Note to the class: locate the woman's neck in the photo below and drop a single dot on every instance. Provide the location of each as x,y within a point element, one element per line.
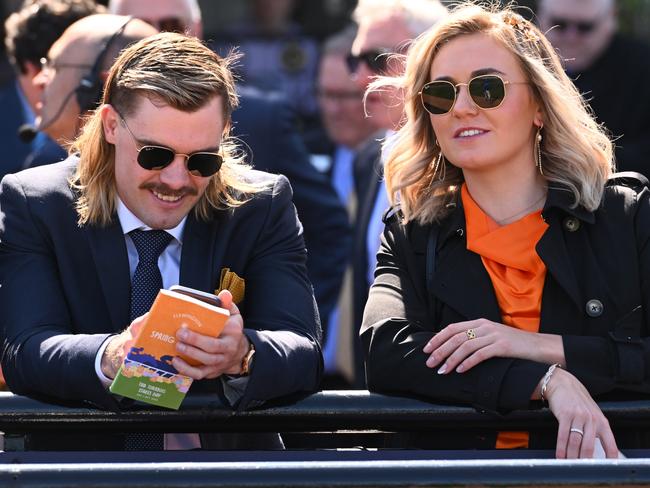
<point>507,198</point>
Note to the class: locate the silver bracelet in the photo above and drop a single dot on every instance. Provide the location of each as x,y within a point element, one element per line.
<point>546,379</point>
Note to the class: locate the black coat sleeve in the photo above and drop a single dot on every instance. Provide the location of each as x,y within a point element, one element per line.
<point>620,359</point>
<point>396,326</point>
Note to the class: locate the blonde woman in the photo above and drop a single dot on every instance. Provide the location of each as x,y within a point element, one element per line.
<point>513,267</point>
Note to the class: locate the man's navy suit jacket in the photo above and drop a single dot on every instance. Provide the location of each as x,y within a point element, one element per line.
<point>65,288</point>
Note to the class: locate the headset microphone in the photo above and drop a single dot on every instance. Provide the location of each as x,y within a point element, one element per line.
<point>28,132</point>
<point>89,90</point>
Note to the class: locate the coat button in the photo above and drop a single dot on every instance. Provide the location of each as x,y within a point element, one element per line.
<point>594,308</point>
<point>571,224</point>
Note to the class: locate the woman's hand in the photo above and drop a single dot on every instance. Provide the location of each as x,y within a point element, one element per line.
<point>581,420</point>
<point>463,345</point>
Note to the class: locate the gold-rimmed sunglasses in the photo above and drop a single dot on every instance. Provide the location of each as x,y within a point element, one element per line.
<point>486,91</point>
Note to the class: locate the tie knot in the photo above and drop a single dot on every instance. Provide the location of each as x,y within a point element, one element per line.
<point>150,243</point>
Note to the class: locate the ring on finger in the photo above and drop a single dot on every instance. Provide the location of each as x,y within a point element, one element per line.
<point>577,431</point>
<point>471,334</point>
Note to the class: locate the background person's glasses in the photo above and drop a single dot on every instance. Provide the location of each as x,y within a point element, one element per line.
<point>377,61</point>
<point>158,157</point>
<point>486,91</point>
<point>49,65</point>
<point>169,24</point>
<point>582,26</point>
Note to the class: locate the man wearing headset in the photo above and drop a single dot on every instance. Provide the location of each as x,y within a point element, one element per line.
<point>72,76</point>
<point>154,195</point>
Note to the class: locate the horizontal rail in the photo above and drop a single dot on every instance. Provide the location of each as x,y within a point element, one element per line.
<point>326,411</point>
<point>312,474</point>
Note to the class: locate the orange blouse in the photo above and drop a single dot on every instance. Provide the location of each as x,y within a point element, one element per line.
<point>516,271</point>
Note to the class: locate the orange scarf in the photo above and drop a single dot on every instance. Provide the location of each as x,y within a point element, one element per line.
<point>516,271</point>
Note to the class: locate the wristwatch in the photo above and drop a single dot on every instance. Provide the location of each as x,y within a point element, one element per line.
<point>247,362</point>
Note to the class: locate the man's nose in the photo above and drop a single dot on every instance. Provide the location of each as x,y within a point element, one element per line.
<point>176,175</point>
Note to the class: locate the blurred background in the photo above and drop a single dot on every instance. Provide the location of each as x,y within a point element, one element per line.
<point>322,17</point>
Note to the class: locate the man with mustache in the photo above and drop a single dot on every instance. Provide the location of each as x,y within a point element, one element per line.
<point>154,195</point>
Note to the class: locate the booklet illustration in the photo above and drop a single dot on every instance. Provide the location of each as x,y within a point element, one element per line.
<point>147,373</point>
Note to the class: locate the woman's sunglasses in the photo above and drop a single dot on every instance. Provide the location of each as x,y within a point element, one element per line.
<point>158,157</point>
<point>486,91</point>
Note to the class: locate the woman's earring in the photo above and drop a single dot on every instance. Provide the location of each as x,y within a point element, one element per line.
<point>440,164</point>
<point>538,150</point>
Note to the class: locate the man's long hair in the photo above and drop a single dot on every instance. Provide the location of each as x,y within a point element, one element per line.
<point>173,70</point>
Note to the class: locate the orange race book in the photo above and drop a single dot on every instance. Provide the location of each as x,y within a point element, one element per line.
<point>147,373</point>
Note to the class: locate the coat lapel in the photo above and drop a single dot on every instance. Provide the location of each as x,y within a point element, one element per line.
<point>112,264</point>
<point>552,249</point>
<point>461,280</point>
<point>198,266</point>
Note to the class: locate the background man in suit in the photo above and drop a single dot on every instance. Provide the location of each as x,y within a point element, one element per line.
<point>385,26</point>
<point>72,79</point>
<point>155,194</point>
<point>611,70</point>
<point>349,131</point>
<point>30,32</point>
<point>266,125</point>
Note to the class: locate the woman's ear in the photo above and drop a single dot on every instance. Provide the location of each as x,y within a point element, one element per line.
<point>538,120</point>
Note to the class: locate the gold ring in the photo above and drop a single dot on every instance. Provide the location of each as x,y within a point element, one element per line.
<point>471,334</point>
<point>577,431</point>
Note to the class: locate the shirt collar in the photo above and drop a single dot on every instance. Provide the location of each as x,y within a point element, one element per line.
<point>558,196</point>
<point>130,222</point>
<point>563,198</point>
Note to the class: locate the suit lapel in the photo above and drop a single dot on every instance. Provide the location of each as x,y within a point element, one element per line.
<point>112,264</point>
<point>198,267</point>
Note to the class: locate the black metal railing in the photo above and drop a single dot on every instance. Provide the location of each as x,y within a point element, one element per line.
<point>321,414</point>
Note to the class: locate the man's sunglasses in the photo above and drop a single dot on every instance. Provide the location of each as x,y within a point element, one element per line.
<point>486,91</point>
<point>377,61</point>
<point>158,157</point>
<point>583,27</point>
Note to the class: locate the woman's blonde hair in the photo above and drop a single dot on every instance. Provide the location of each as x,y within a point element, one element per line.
<point>169,69</point>
<point>576,152</point>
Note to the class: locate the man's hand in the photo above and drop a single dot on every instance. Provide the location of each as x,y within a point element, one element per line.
<point>217,355</point>
<point>119,346</point>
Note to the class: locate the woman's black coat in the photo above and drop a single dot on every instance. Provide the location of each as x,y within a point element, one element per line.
<point>596,296</point>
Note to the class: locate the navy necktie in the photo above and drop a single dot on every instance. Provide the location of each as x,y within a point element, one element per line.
<point>145,285</point>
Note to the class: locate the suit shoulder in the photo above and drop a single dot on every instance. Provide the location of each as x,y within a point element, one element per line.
<point>272,184</point>
<point>43,181</point>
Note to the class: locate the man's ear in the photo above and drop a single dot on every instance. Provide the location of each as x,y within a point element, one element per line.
<point>110,120</point>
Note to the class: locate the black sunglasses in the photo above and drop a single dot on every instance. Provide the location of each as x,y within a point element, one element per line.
<point>377,61</point>
<point>158,157</point>
<point>583,27</point>
<point>486,91</point>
